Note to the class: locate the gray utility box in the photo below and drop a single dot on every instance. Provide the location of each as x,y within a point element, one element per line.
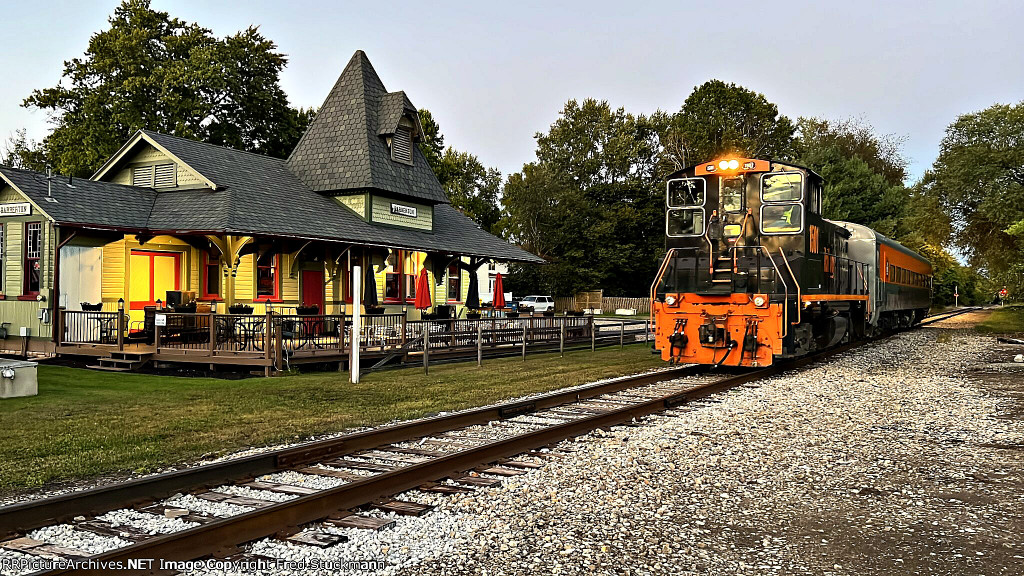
<point>18,378</point>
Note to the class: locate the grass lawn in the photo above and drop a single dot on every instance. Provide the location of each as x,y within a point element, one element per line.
<point>1005,320</point>
<point>86,423</point>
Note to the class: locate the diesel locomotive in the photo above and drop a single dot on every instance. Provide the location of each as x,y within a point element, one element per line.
<point>753,272</point>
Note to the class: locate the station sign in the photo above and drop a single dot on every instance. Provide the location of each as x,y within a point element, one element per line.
<point>403,210</point>
<point>17,209</point>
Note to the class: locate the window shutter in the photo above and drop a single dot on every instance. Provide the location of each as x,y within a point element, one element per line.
<point>166,175</point>
<point>401,145</point>
<point>142,176</point>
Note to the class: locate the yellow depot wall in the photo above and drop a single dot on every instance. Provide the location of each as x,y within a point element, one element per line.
<point>354,202</point>
<point>245,279</point>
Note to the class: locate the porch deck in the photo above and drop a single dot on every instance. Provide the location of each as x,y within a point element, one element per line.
<point>275,341</point>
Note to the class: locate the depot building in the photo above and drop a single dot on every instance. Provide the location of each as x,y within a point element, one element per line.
<point>168,217</point>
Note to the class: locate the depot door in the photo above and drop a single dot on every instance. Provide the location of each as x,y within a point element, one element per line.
<point>313,288</point>
<point>151,275</point>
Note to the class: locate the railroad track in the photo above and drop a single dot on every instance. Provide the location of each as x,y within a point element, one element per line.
<point>448,454</point>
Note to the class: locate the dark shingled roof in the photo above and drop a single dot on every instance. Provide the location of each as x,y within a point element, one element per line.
<point>256,195</point>
<point>393,106</point>
<point>343,150</point>
<point>99,204</point>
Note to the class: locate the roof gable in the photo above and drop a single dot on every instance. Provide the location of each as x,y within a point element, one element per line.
<point>141,145</point>
<point>344,148</point>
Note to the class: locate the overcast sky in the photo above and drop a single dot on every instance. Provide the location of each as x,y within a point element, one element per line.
<point>493,75</point>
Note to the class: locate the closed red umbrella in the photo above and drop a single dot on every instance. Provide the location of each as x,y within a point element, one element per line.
<point>498,298</point>
<point>422,291</point>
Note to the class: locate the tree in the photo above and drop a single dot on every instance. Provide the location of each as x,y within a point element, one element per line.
<point>719,119</point>
<point>471,187</point>
<point>149,70</point>
<point>979,180</point>
<point>592,204</point>
<point>20,152</point>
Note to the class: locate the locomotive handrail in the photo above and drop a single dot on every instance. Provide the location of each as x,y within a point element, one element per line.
<point>742,236</point>
<point>799,304</point>
<point>711,247</point>
<point>785,287</point>
<point>657,280</point>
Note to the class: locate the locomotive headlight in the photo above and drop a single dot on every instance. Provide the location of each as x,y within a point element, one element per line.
<point>760,301</point>
<point>734,164</point>
<point>724,165</point>
<point>670,300</point>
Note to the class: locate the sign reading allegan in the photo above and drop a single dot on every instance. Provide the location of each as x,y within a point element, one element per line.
<point>19,209</point>
<point>403,210</point>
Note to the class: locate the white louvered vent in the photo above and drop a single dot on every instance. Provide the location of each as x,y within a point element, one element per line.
<point>166,176</point>
<point>401,145</point>
<point>142,176</point>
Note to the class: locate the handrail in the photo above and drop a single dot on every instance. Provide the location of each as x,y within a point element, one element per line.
<point>795,283</point>
<point>711,247</point>
<point>742,236</point>
<point>657,280</point>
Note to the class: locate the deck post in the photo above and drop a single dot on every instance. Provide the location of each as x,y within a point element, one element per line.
<point>59,327</point>
<point>524,341</point>
<point>647,331</point>
<point>494,334</point>
<point>267,342</point>
<point>357,302</point>
<point>622,333</point>
<point>479,344</point>
<point>593,333</point>
<point>426,348</point>
<point>279,345</point>
<point>213,334</point>
<point>561,338</point>
<point>156,335</point>
<point>120,331</point>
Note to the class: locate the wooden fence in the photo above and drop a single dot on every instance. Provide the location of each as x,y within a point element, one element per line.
<point>608,304</point>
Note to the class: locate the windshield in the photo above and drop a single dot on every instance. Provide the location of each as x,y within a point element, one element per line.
<point>732,194</point>
<point>686,192</point>
<point>685,222</point>
<point>781,218</point>
<point>782,187</point>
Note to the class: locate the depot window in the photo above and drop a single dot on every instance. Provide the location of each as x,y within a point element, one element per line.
<point>782,218</point>
<point>686,192</point>
<point>33,249</point>
<point>454,283</point>
<point>782,187</point>
<point>684,222</point>
<point>268,268</point>
<point>211,276</point>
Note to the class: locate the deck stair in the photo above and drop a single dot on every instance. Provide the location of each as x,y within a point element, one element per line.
<point>122,362</point>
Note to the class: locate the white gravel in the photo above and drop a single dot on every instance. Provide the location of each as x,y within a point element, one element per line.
<point>200,506</point>
<point>144,522</point>
<point>253,493</point>
<point>66,536</point>
<point>306,480</point>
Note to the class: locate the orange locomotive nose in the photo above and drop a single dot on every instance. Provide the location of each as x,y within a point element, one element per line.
<point>728,330</point>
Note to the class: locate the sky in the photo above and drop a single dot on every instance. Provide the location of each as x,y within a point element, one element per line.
<point>495,73</point>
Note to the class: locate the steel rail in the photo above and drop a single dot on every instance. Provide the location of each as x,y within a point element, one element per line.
<point>22,517</point>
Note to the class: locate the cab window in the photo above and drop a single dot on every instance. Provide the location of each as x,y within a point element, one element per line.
<point>732,194</point>
<point>782,187</point>
<point>781,218</point>
<point>684,222</point>
<point>686,192</point>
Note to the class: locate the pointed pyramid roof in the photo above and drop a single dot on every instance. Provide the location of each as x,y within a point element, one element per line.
<point>345,148</point>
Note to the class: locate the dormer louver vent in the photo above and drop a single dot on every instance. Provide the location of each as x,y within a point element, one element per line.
<point>166,176</point>
<point>401,145</point>
<point>142,176</point>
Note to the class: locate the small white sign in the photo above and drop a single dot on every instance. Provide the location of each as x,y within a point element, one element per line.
<point>18,209</point>
<point>403,210</point>
<point>160,320</point>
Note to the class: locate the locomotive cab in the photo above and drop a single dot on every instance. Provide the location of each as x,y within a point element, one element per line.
<point>752,270</point>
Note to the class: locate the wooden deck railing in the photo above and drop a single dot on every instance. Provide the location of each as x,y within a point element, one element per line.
<point>268,338</point>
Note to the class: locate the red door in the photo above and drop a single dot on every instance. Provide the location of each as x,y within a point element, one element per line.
<point>313,289</point>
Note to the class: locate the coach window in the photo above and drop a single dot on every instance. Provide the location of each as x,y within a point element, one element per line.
<point>684,222</point>
<point>781,218</point>
<point>732,194</point>
<point>782,187</point>
<point>686,192</point>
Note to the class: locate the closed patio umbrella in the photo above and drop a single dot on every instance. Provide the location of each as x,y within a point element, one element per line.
<point>370,288</point>
<point>473,297</point>
<point>498,300</point>
<point>422,291</point>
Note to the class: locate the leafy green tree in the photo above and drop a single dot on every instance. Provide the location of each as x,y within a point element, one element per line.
<point>863,172</point>
<point>149,70</point>
<point>471,187</point>
<point>20,152</point>
<point>979,180</point>
<point>592,204</point>
<point>719,119</point>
